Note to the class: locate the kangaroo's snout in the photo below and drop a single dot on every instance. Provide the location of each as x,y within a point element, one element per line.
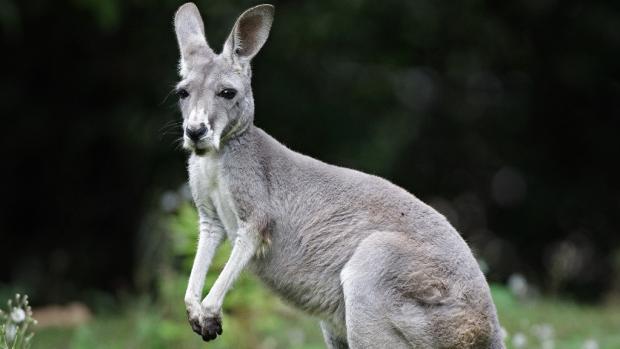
<point>196,132</point>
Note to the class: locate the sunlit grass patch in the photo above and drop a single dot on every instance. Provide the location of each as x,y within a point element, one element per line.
<point>558,323</point>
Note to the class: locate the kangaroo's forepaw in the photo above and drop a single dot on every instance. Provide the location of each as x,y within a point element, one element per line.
<point>208,326</point>
<point>195,323</point>
<point>211,328</point>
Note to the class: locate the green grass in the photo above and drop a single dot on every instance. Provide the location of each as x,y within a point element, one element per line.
<point>572,323</point>
<point>256,319</point>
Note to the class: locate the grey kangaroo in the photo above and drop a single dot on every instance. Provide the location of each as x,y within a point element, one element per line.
<point>377,266</point>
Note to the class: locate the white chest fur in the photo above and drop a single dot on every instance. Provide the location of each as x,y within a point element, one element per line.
<point>210,189</point>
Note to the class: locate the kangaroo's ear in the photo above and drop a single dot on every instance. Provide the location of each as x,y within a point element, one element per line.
<point>190,32</point>
<point>249,33</point>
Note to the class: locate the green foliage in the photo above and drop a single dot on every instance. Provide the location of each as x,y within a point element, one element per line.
<point>106,13</point>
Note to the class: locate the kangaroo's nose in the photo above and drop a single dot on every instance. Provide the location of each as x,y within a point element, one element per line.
<point>195,133</point>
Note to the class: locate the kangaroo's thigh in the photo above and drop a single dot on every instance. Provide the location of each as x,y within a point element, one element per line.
<point>371,303</point>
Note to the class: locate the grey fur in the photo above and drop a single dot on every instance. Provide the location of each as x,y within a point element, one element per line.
<point>377,266</point>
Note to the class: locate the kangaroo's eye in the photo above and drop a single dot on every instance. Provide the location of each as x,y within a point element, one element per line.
<point>182,93</point>
<point>227,93</point>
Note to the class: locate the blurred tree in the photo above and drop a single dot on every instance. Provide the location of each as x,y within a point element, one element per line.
<point>501,114</point>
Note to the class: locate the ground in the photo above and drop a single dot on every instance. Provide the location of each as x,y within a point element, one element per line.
<point>255,319</point>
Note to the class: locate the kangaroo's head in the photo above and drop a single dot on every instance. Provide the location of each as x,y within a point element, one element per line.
<point>215,93</point>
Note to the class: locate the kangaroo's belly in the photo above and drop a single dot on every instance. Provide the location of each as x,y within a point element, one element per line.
<point>305,271</point>
<point>318,297</point>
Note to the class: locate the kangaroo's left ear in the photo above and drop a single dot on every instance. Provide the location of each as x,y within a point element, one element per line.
<point>249,33</point>
<point>190,32</point>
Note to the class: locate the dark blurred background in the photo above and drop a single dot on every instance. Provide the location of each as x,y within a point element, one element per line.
<point>502,115</point>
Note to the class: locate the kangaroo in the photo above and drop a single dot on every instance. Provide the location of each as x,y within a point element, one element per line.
<point>378,267</point>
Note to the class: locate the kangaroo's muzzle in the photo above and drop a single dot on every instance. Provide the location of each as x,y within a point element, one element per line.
<point>196,133</point>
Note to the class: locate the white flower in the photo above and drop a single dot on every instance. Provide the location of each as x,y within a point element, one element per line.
<point>518,285</point>
<point>590,344</point>
<point>519,340</point>
<point>543,331</point>
<point>18,315</point>
<point>11,331</point>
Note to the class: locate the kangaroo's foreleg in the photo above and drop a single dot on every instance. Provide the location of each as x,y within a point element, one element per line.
<point>210,237</point>
<point>244,247</point>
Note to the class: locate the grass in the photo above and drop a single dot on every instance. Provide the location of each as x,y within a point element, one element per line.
<point>571,324</point>
<point>261,321</point>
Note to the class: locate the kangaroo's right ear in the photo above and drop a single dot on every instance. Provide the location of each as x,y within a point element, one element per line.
<point>249,33</point>
<point>190,32</point>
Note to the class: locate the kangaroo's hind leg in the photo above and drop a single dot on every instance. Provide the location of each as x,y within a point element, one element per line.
<point>333,340</point>
<point>370,304</point>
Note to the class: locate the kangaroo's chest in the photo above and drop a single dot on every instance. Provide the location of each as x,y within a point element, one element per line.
<point>211,189</point>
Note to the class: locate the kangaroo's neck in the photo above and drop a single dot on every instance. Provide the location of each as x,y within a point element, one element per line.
<point>240,138</point>
<point>237,129</point>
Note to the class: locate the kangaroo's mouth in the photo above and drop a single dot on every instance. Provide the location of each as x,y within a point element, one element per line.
<point>199,148</point>
<point>200,151</point>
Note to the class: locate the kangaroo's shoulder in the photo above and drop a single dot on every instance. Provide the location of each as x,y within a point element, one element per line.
<point>244,171</point>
